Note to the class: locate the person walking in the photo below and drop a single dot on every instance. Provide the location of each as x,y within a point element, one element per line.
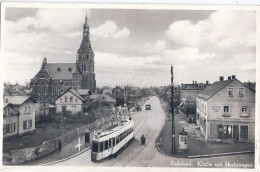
<point>60,145</point>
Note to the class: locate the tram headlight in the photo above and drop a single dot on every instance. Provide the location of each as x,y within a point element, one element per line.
<point>94,156</point>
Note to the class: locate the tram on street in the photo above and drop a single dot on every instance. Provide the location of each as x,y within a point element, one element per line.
<point>112,140</point>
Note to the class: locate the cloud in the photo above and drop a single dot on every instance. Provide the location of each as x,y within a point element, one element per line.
<point>225,29</point>
<point>110,29</point>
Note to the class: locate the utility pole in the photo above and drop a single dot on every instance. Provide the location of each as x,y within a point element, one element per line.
<point>172,109</point>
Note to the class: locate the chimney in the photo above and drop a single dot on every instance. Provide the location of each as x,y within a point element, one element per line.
<point>192,82</point>
<point>229,77</point>
<point>221,78</point>
<point>195,82</point>
<point>233,76</point>
<point>207,82</point>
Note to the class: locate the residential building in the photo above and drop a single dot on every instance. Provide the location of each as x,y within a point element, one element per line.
<point>19,116</point>
<point>73,100</point>
<point>54,78</point>
<point>102,100</point>
<point>118,94</point>
<point>189,91</point>
<point>226,111</point>
<point>250,85</point>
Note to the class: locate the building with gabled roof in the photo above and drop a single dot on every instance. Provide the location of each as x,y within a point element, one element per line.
<point>54,78</point>
<point>74,100</point>
<point>225,111</point>
<point>18,116</point>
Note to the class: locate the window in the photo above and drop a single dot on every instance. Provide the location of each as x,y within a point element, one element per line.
<point>66,99</point>
<point>76,100</point>
<point>4,129</point>
<point>244,111</point>
<point>95,147</point>
<point>7,111</point>
<point>12,128</point>
<point>106,144</point>
<point>241,92</point>
<point>243,132</point>
<point>43,104</point>
<point>101,146</point>
<point>230,92</point>
<point>27,109</point>
<point>87,56</point>
<point>30,123</point>
<point>58,69</point>
<point>69,69</point>
<point>24,125</point>
<point>71,99</point>
<point>60,99</point>
<point>226,111</point>
<point>9,128</point>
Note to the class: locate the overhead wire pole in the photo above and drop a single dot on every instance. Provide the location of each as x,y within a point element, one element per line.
<point>172,110</point>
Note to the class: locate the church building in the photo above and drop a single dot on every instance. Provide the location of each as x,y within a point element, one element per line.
<point>55,78</point>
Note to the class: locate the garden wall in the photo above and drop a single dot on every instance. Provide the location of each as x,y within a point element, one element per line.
<point>21,155</point>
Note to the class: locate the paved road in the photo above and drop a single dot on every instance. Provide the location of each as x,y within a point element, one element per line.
<point>150,124</point>
<point>147,122</point>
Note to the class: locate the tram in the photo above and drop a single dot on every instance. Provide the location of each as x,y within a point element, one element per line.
<point>113,140</point>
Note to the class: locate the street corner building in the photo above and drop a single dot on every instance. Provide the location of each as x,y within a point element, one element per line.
<point>226,111</point>
<point>19,116</point>
<point>54,78</point>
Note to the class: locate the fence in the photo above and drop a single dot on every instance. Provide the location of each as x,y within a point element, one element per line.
<point>21,155</point>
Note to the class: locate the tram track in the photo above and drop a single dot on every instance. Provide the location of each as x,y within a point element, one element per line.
<point>141,150</point>
<point>136,148</point>
<point>137,129</point>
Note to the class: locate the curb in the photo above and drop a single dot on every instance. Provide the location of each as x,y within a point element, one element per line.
<point>220,154</point>
<point>72,156</point>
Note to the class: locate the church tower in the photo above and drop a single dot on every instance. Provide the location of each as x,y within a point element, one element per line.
<point>85,60</point>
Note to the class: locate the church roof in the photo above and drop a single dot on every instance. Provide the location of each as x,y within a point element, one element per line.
<point>60,70</point>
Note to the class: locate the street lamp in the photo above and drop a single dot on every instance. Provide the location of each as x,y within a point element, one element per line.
<point>172,110</point>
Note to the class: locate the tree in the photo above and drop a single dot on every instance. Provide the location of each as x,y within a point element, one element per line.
<point>58,119</point>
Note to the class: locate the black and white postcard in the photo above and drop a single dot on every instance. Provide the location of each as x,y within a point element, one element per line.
<point>113,85</point>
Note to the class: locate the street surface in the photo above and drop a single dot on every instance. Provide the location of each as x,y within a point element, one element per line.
<point>150,123</point>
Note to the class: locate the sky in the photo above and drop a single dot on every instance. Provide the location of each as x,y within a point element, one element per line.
<point>133,46</point>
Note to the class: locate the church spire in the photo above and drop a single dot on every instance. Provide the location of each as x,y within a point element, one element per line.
<point>86,26</point>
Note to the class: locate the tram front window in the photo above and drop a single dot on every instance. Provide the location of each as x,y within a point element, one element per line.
<point>95,147</point>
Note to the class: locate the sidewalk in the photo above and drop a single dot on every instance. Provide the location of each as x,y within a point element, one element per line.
<point>196,145</point>
<point>67,151</point>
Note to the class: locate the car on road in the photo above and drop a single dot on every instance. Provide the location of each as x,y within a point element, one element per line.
<point>147,107</point>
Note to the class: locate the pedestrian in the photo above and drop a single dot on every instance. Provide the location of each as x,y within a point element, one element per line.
<point>60,145</point>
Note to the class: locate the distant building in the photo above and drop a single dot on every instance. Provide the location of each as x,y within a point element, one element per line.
<point>126,94</point>
<point>16,90</point>
<point>74,100</point>
<point>119,95</point>
<point>250,85</point>
<point>102,100</point>
<point>19,116</point>
<point>226,111</point>
<point>189,91</point>
<point>54,78</point>
<point>132,94</point>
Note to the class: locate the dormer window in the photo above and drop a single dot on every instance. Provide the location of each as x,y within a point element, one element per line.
<point>69,69</point>
<point>58,69</point>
